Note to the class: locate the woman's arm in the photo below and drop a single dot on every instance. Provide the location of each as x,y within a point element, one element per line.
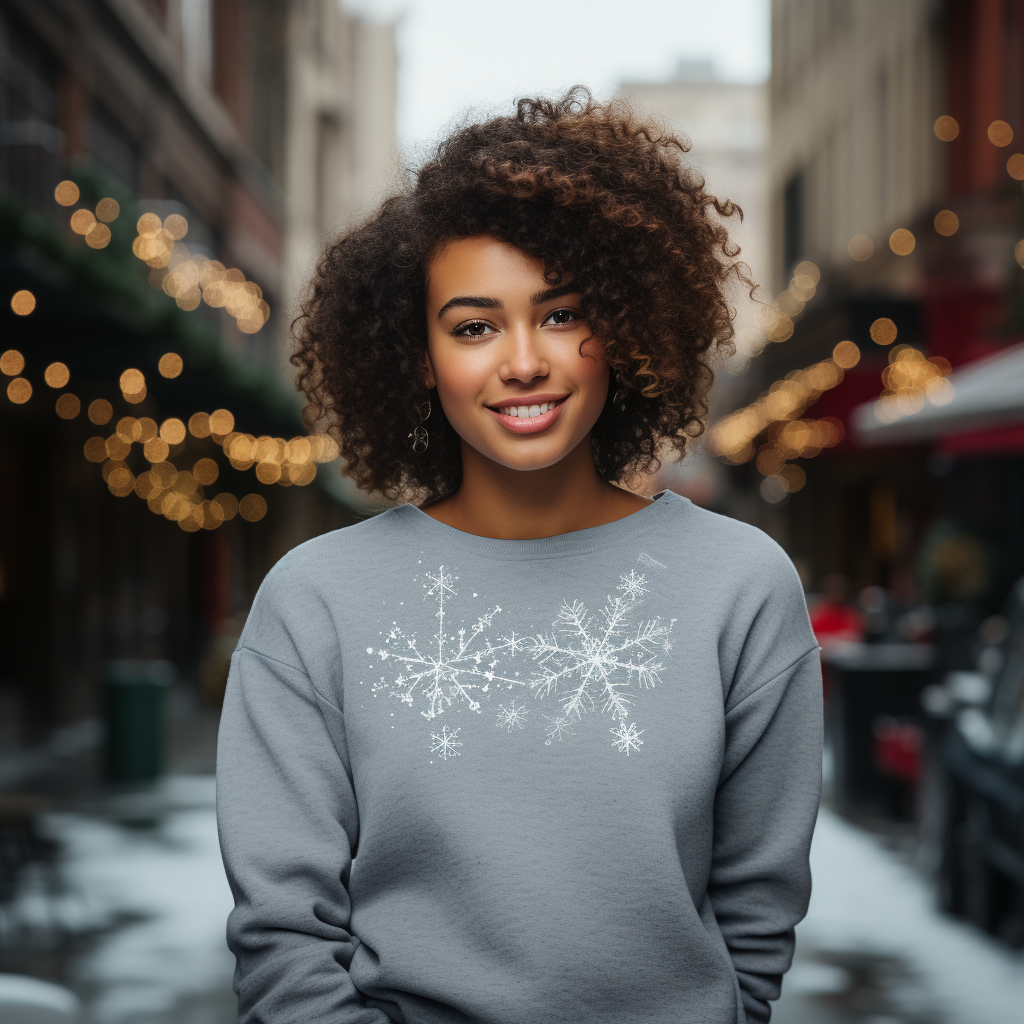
<point>288,823</point>
<point>765,811</point>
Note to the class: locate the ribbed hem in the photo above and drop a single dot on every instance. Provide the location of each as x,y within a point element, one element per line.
<point>575,542</point>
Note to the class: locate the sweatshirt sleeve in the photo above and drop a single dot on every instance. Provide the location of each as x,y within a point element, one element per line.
<point>768,794</point>
<point>288,824</point>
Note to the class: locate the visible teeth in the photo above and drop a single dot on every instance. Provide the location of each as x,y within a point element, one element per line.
<point>528,411</point>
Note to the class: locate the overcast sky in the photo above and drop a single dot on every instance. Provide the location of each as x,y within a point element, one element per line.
<point>456,55</point>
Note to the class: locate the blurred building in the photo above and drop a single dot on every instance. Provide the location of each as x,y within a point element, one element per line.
<point>727,125</point>
<point>168,171</point>
<point>896,205</point>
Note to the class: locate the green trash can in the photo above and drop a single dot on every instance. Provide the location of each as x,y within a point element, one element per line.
<point>134,699</point>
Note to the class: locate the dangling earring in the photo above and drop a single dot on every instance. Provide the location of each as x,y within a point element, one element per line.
<point>619,398</point>
<point>420,435</point>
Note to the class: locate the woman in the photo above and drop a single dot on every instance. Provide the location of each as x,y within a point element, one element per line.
<point>527,747</point>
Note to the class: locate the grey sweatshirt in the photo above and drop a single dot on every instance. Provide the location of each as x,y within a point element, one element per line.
<point>569,779</point>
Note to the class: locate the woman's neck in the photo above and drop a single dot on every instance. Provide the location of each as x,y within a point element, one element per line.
<point>496,501</point>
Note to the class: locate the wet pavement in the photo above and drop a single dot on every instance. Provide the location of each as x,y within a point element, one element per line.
<point>133,921</point>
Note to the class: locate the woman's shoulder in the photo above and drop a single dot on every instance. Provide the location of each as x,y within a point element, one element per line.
<point>729,545</point>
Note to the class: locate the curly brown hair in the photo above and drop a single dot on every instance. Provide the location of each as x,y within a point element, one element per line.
<point>601,197</point>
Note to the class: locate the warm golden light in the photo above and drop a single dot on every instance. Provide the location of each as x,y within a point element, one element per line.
<point>66,193</point>
<point>793,478</point>
<point>98,237</point>
<point>946,128</point>
<point>172,430</point>
<point>861,248</point>
<point>206,471</point>
<point>1000,133</point>
<point>96,449</point>
<point>12,362</point>
<point>121,482</point>
<point>117,447</point>
<point>100,412</point>
<point>156,449</point>
<point>252,507</point>
<point>108,210</point>
<point>129,429</point>
<point>221,422</point>
<point>268,472</point>
<point>883,331</point>
<point>82,222</point>
<point>902,242</point>
<point>1015,166</point>
<point>1018,252</point>
<point>176,226</point>
<point>132,382</point>
<point>148,224</point>
<point>846,354</point>
<point>23,302</point>
<point>946,222</point>
<point>57,375</point>
<point>199,424</point>
<point>228,503</point>
<point>170,365</point>
<point>19,391</point>
<point>147,429</point>
<point>68,406</point>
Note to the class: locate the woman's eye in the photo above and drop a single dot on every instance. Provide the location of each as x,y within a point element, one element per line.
<point>562,316</point>
<point>473,329</point>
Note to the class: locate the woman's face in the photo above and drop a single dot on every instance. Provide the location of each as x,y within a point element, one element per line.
<point>500,336</point>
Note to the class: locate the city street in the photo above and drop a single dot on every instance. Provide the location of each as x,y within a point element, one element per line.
<point>145,890</point>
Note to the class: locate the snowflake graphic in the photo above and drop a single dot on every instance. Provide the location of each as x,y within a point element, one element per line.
<point>456,666</point>
<point>588,660</point>
<point>557,728</point>
<point>514,715</point>
<point>627,737</point>
<point>445,742</point>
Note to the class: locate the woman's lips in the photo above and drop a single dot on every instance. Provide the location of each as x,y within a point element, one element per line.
<point>528,425</point>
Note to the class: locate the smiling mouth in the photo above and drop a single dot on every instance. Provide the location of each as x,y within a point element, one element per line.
<point>528,419</point>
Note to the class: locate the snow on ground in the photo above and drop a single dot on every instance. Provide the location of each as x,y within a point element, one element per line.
<point>874,948</point>
<point>152,869</point>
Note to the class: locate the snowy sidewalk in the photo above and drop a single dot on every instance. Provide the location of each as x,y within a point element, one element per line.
<point>873,947</point>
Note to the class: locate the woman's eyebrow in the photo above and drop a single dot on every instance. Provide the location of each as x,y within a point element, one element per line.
<point>553,293</point>
<point>474,301</point>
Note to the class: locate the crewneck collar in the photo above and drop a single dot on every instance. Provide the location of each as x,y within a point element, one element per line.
<point>574,542</point>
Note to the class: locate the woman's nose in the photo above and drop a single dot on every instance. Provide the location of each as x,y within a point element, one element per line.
<point>524,356</point>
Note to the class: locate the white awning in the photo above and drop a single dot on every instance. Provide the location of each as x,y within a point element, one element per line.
<point>986,393</point>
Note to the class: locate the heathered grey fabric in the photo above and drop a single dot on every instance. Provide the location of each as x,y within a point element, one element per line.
<point>570,779</point>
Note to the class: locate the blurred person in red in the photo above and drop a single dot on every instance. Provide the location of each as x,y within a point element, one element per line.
<point>833,619</point>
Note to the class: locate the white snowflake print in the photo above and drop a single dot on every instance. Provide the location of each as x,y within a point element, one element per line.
<point>513,716</point>
<point>589,660</point>
<point>445,743</point>
<point>557,728</point>
<point>627,738</point>
<point>457,666</point>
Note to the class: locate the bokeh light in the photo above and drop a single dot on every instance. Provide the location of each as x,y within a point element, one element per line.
<point>883,331</point>
<point>846,355</point>
<point>96,449</point>
<point>1015,166</point>
<point>66,193</point>
<point>57,375</point>
<point>19,391</point>
<point>253,507</point>
<point>1000,133</point>
<point>946,128</point>
<point>100,412</point>
<point>172,430</point>
<point>199,424</point>
<point>108,210</point>
<point>68,406</point>
<point>206,471</point>
<point>12,362</point>
<point>221,422</point>
<point>98,237</point>
<point>23,302</point>
<point>176,226</point>
<point>861,248</point>
<point>82,222</point>
<point>902,242</point>
<point>170,365</point>
<point>946,222</point>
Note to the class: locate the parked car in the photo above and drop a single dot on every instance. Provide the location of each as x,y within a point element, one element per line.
<point>974,816</point>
